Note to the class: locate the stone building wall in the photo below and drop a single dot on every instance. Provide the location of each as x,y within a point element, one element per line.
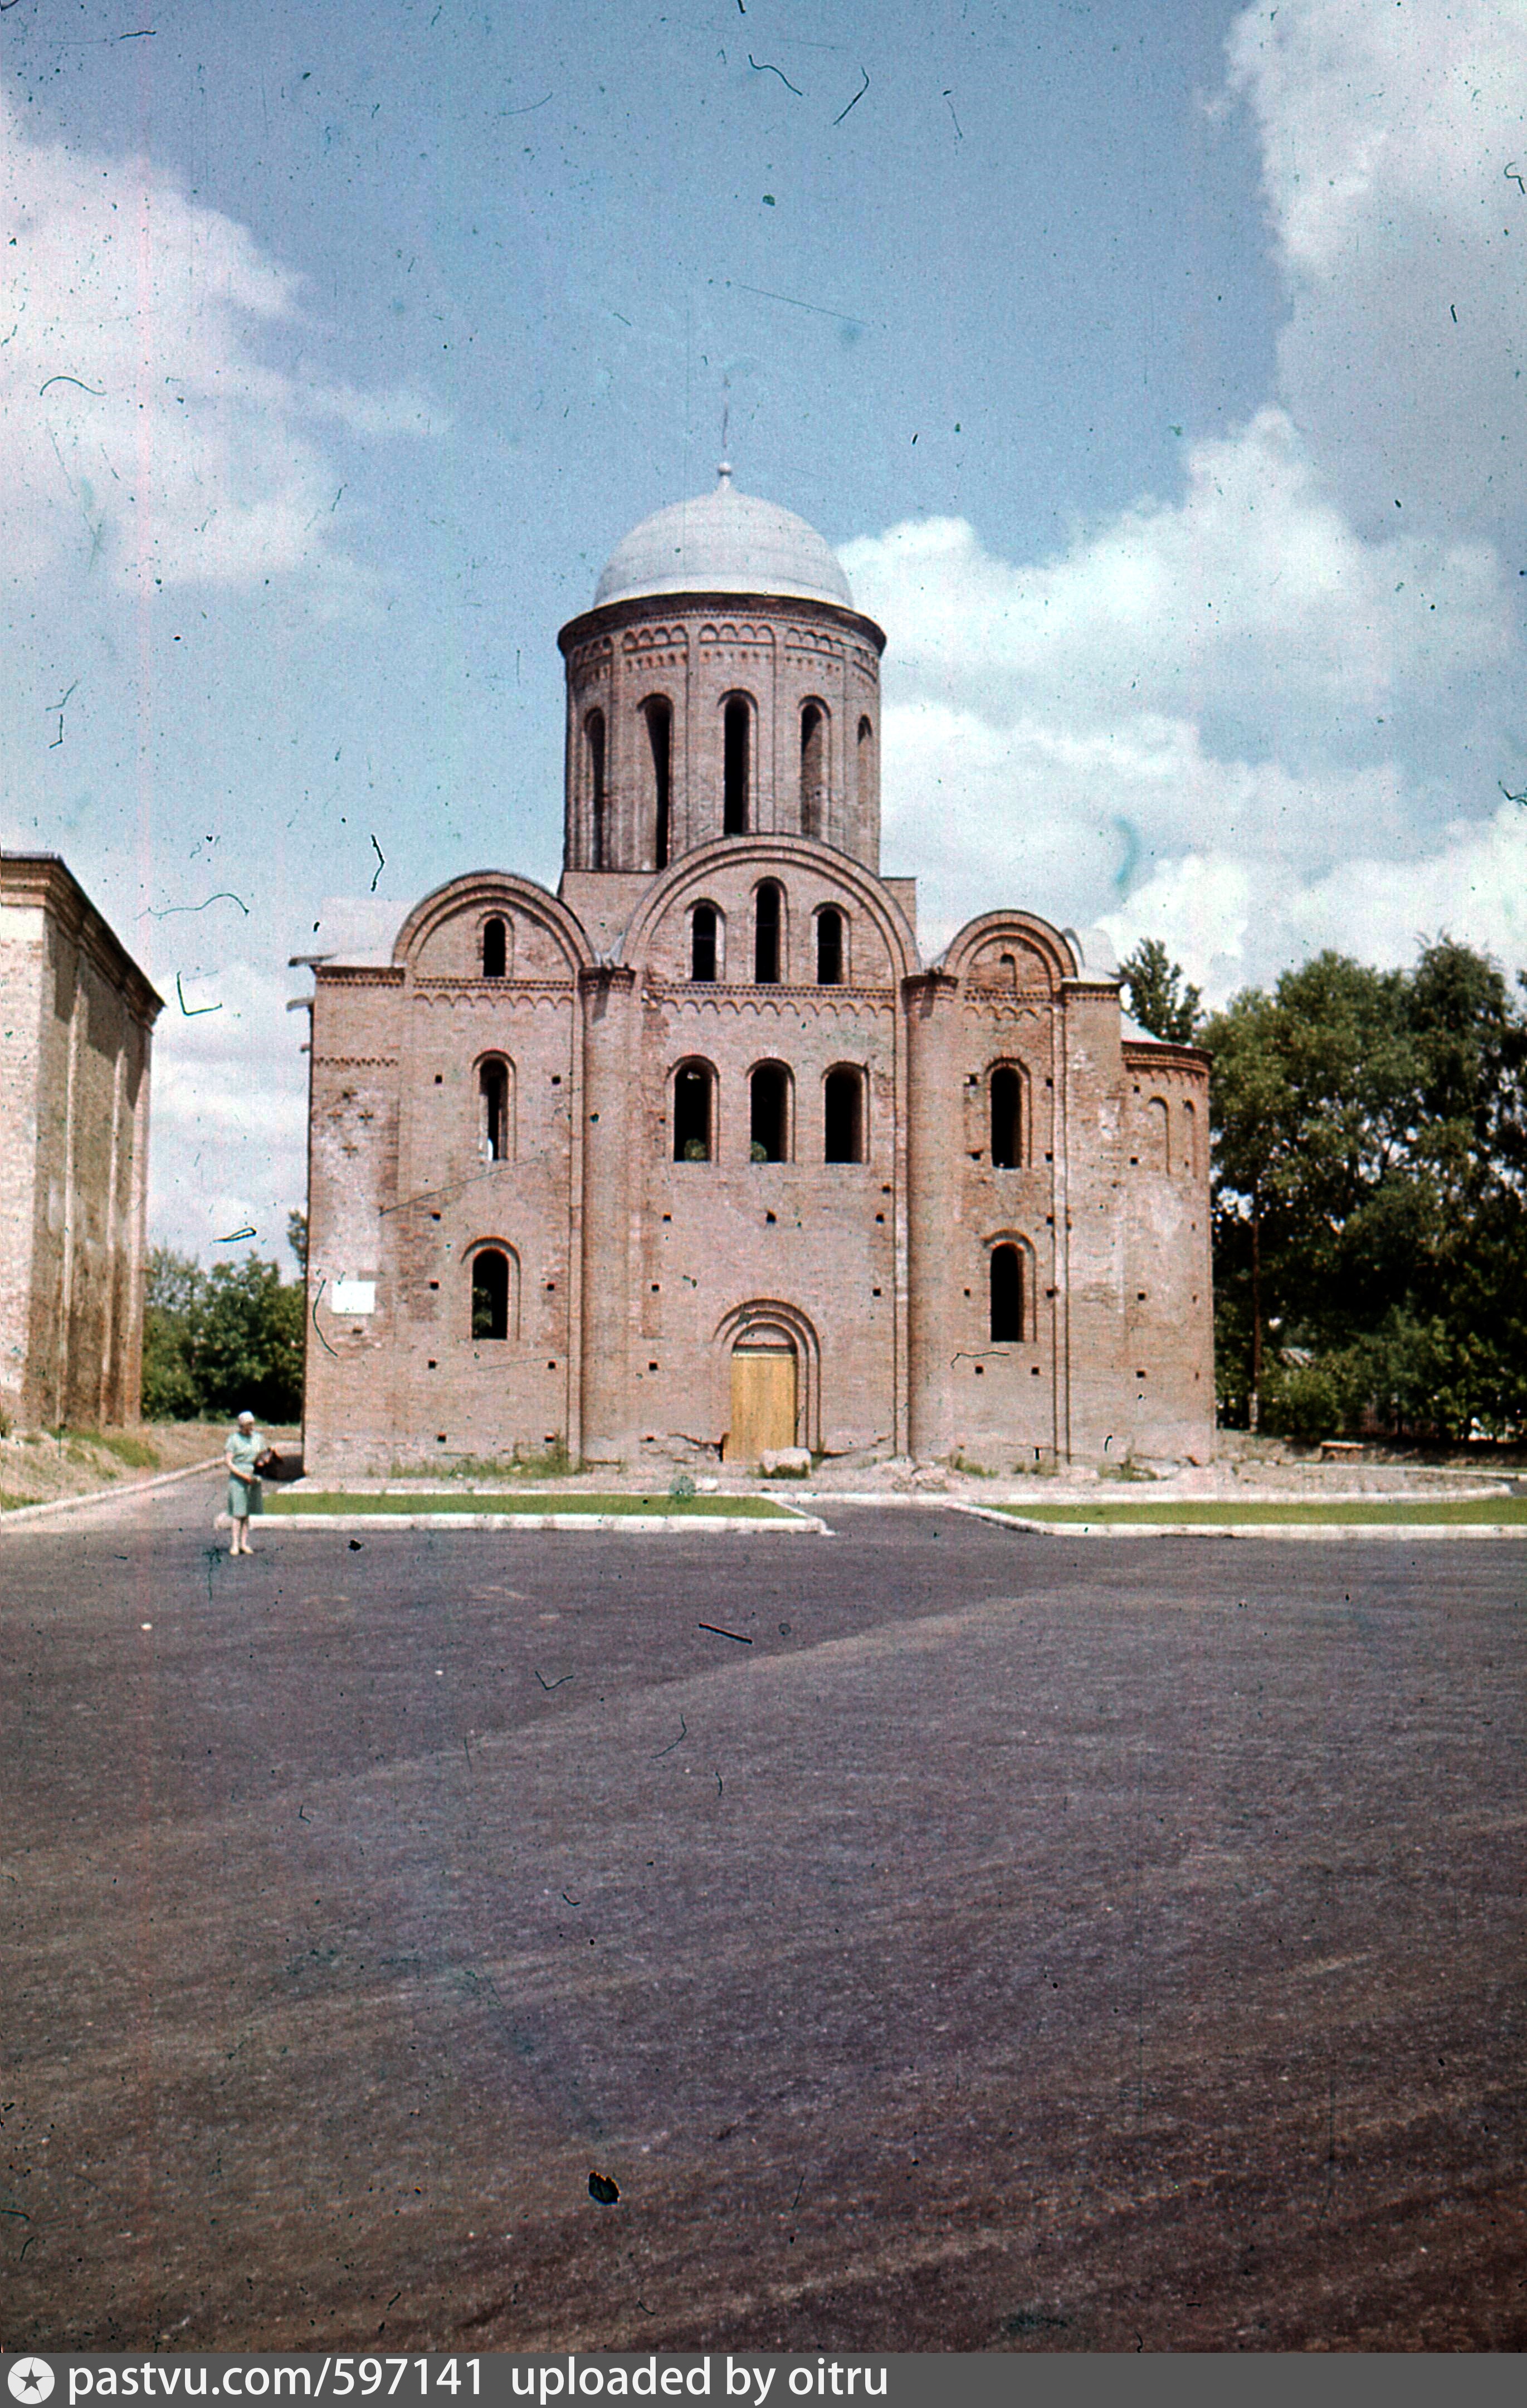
<point>77,1016</point>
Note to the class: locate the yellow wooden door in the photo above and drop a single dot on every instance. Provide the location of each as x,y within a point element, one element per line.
<point>762,1403</point>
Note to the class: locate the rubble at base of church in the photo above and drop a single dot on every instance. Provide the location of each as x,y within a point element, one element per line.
<point>701,1145</point>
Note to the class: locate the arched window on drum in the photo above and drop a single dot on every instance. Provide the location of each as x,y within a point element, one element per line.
<point>737,764</point>
<point>593,742</point>
<point>813,769</point>
<point>864,767</point>
<point>658,712</point>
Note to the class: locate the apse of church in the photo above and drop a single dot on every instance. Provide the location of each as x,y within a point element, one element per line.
<point>698,1156</point>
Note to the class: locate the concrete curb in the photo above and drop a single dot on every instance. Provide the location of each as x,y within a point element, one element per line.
<point>639,1525</point>
<point>105,1495</point>
<point>1408,1532</point>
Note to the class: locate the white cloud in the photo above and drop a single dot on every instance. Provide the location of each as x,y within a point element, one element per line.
<point>138,425</point>
<point>1251,598</point>
<point>1232,721</point>
<point>1228,921</point>
<point>1392,137</point>
<point>227,1146</point>
<point>1472,885</point>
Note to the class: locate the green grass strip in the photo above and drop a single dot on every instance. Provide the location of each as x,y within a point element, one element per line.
<point>752,1509</point>
<point>1218,1511</point>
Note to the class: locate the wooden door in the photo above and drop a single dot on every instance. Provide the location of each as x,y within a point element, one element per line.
<point>762,1402</point>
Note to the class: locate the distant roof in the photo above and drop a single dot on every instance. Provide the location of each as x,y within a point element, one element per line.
<point>355,931</point>
<point>725,542</point>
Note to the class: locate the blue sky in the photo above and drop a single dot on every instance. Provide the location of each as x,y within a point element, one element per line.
<point>1156,372</point>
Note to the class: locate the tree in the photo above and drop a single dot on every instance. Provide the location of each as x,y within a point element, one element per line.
<point>216,1341</point>
<point>1160,998</point>
<point>1370,1134</point>
<point>172,1302</point>
<point>296,1238</point>
<point>251,1338</point>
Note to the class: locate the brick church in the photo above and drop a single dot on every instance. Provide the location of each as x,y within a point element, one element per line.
<point>698,1156</point>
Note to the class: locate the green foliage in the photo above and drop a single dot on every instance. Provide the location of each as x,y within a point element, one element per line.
<point>1160,998</point>
<point>215,1342</point>
<point>1370,1151</point>
<point>1303,1401</point>
<point>170,1389</point>
<point>296,1238</point>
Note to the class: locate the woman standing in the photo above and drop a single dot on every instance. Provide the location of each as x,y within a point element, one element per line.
<point>244,1496</point>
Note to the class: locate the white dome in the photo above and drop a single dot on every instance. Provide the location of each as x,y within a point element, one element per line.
<point>726,542</point>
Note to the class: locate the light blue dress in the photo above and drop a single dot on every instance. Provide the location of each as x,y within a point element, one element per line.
<point>242,1449</point>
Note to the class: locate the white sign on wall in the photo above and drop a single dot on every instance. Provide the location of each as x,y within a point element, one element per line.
<point>353,1296</point>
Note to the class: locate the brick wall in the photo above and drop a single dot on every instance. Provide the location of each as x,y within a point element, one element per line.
<point>77,1016</point>
<point>635,1274</point>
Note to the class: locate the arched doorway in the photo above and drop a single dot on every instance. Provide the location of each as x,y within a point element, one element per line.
<point>764,1396</point>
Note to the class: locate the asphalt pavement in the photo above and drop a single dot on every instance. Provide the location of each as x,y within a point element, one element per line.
<point>942,1938</point>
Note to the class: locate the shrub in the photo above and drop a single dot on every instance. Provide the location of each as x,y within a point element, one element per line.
<point>1302,1401</point>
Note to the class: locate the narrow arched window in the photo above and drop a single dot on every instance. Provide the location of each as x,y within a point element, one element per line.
<point>694,1090</point>
<point>489,1294</point>
<point>843,1116</point>
<point>495,948</point>
<point>594,731</point>
<point>736,741</point>
<point>494,1112</point>
<point>829,947</point>
<point>1190,1141</point>
<point>1007,1120</point>
<point>660,737</point>
<point>813,769</point>
<point>1158,1143</point>
<point>1007,1295</point>
<point>769,1113</point>
<point>865,764</point>
<point>767,920</point>
<point>703,943</point>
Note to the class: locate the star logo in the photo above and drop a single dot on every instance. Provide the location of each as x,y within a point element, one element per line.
<point>30,2378</point>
